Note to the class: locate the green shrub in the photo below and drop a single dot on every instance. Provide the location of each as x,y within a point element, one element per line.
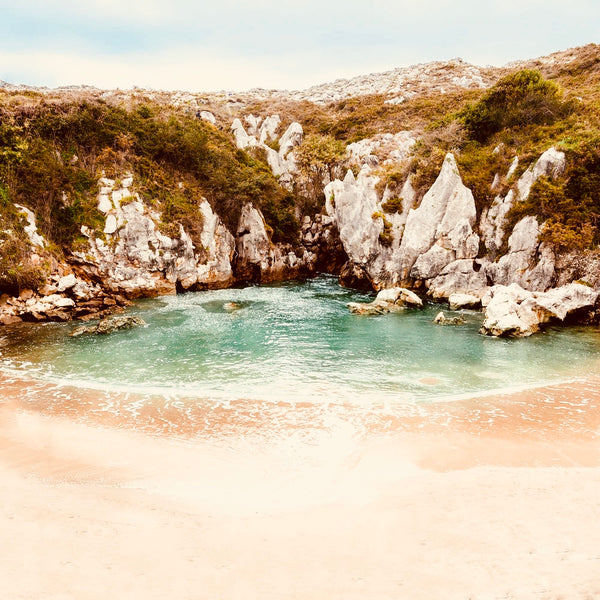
<point>393,205</point>
<point>161,146</point>
<point>519,99</point>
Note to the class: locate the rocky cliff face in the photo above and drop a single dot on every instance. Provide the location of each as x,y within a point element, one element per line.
<point>442,244</point>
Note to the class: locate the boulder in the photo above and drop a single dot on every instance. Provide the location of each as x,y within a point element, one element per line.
<point>7,319</point>
<point>461,301</point>
<point>398,295</point>
<point>66,283</point>
<point>442,319</point>
<point>511,311</point>
<point>208,117</point>
<point>388,300</point>
<point>360,308</point>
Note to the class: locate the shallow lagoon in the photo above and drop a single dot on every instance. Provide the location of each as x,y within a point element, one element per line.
<point>296,342</point>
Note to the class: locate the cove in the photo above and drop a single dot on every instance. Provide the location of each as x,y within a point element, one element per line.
<point>296,342</point>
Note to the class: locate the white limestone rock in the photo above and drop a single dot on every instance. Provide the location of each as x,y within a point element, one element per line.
<point>561,302</point>
<point>242,139</point>
<point>355,208</point>
<point>208,117</point>
<point>104,203</point>
<point>219,245</point>
<point>252,243</point>
<point>464,301</point>
<point>432,263</point>
<point>252,124</point>
<point>66,283</point>
<point>268,129</point>
<point>464,276</point>
<point>292,137</point>
<point>446,216</point>
<point>110,225</point>
<point>386,301</point>
<point>507,314</point>
<point>514,165</point>
<point>31,228</point>
<point>398,295</point>
<point>551,164</point>
<point>352,204</point>
<point>527,263</point>
<point>514,312</point>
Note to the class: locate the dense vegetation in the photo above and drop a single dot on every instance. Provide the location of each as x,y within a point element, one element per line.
<point>52,153</point>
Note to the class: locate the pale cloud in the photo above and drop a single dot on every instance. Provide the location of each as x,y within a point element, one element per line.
<point>183,69</point>
<point>227,44</point>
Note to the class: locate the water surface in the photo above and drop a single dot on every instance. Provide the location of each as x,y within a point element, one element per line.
<point>295,342</point>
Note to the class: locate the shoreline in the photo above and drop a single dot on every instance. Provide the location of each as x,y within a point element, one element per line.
<point>341,506</point>
<point>568,408</point>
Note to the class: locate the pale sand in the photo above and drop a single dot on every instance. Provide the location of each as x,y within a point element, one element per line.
<point>486,499</point>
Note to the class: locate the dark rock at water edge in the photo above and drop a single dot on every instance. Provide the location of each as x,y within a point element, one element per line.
<point>110,325</point>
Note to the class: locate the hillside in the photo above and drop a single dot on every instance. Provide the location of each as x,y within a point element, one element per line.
<point>194,157</point>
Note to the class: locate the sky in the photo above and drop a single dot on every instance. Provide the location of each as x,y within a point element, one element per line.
<point>284,44</point>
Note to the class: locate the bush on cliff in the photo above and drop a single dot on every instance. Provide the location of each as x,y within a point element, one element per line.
<point>52,153</point>
<point>569,206</point>
<point>16,272</point>
<point>519,99</point>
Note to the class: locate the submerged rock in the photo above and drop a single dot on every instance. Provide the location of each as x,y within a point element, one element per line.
<point>109,325</point>
<point>442,319</point>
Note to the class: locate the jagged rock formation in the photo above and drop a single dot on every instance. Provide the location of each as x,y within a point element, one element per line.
<point>374,236</point>
<point>418,243</point>
<point>527,262</point>
<point>436,244</point>
<point>511,311</point>
<point>371,237</point>
<point>281,161</point>
<point>440,230</point>
<point>136,259</point>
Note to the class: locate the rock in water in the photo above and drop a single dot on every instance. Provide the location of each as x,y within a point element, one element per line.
<point>458,301</point>
<point>511,311</point>
<point>109,325</point>
<point>442,319</point>
<point>388,300</point>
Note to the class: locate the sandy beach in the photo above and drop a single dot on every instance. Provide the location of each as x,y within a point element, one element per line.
<point>488,498</point>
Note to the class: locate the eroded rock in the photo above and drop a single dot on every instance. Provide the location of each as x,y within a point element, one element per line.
<point>511,311</point>
<point>109,325</point>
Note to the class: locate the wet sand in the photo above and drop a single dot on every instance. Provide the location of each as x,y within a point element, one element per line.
<point>485,498</point>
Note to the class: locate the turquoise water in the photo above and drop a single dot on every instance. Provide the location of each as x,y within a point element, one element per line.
<point>295,341</point>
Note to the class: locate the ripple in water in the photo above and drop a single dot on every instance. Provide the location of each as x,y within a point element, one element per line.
<point>294,342</point>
